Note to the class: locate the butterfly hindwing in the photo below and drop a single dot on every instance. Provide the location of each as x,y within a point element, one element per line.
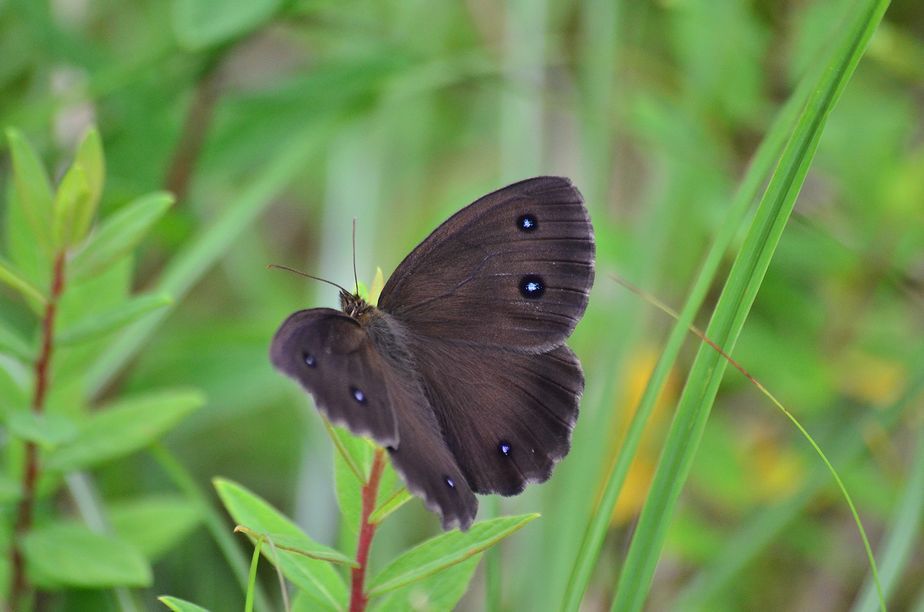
<point>512,270</point>
<point>506,416</point>
<point>423,460</point>
<point>334,359</point>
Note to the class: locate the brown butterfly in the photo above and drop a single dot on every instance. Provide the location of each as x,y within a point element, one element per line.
<point>461,370</point>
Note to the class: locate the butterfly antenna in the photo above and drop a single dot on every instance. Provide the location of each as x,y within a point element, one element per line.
<point>355,276</point>
<point>300,273</point>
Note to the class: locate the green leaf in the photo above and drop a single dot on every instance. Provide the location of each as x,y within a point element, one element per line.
<point>68,554</point>
<point>440,591</point>
<point>378,283</point>
<point>119,234</point>
<point>445,550</point>
<point>46,430</point>
<point>71,199</point>
<point>390,504</point>
<point>204,23</point>
<point>33,189</point>
<point>154,524</point>
<point>124,427</point>
<point>15,385</point>
<point>352,456</point>
<point>317,579</point>
<point>14,344</point>
<point>10,489</point>
<point>297,545</point>
<point>180,605</point>
<point>99,324</point>
<point>90,158</point>
<point>33,296</point>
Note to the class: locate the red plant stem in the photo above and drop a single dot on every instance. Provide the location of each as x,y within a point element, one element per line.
<point>358,598</point>
<point>18,586</point>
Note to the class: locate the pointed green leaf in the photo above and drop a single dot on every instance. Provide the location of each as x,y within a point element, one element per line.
<point>46,430</point>
<point>72,197</point>
<point>180,605</point>
<point>119,234</point>
<point>390,504</point>
<point>68,554</point>
<point>440,591</point>
<point>90,158</point>
<point>99,324</point>
<point>33,189</point>
<point>10,489</point>
<point>14,344</point>
<point>297,545</point>
<point>15,385</point>
<point>351,468</point>
<point>445,550</point>
<point>378,283</point>
<point>11,277</point>
<point>154,524</point>
<point>203,23</point>
<point>317,579</point>
<point>124,427</point>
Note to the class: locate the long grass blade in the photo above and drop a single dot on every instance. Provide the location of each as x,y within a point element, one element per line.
<point>899,542</point>
<point>732,310</point>
<point>757,173</point>
<point>754,537</point>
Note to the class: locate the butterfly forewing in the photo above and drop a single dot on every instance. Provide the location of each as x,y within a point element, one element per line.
<point>335,360</point>
<point>512,270</point>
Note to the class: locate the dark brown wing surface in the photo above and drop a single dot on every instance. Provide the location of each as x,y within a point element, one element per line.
<point>334,360</point>
<point>512,270</point>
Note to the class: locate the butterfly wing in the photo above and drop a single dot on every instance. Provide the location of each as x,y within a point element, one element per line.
<point>334,359</point>
<point>361,384</point>
<point>512,270</point>
<point>423,459</point>
<point>506,416</point>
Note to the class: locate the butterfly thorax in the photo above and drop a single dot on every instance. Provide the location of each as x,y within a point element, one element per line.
<point>356,307</point>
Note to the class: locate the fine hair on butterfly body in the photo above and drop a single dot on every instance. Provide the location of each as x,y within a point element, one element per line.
<point>460,370</point>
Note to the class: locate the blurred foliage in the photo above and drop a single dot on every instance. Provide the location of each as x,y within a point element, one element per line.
<point>275,123</point>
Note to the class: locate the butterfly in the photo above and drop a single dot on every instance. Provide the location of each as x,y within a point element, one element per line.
<point>461,369</point>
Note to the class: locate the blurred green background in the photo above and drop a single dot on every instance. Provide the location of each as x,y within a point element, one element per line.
<point>276,122</point>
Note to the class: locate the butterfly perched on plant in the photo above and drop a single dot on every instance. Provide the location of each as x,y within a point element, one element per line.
<point>461,370</point>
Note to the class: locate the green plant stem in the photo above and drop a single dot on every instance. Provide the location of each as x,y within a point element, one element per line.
<point>252,576</point>
<point>358,597</point>
<point>18,583</point>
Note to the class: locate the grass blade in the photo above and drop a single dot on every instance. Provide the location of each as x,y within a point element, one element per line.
<point>757,172</point>
<point>900,541</point>
<point>763,529</point>
<point>731,312</point>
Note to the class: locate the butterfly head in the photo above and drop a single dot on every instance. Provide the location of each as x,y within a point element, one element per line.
<point>355,306</point>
